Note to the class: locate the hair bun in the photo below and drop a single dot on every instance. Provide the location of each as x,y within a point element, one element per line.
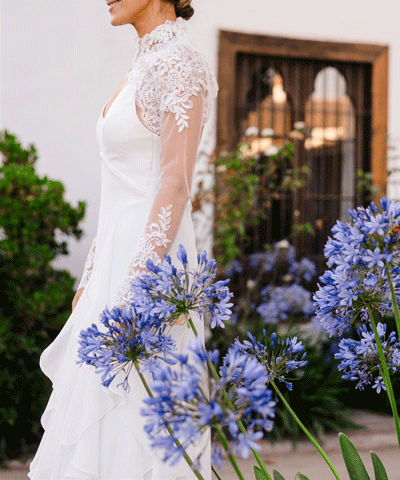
<point>183,9</point>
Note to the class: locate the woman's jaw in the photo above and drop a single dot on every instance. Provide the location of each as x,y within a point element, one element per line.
<point>144,15</point>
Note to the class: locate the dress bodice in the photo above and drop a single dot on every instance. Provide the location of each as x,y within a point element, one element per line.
<point>126,144</point>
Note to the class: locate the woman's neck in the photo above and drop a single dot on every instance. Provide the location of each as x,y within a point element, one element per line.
<point>150,19</point>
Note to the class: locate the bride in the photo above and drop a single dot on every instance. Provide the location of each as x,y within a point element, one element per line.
<point>148,134</point>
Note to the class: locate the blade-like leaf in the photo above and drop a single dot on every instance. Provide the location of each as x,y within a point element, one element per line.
<point>300,476</point>
<point>260,475</point>
<point>379,469</point>
<point>354,464</point>
<point>277,475</point>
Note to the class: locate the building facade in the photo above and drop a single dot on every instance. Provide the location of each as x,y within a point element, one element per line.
<point>335,67</point>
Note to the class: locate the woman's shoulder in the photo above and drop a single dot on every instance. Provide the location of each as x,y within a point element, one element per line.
<point>168,76</point>
<point>183,65</point>
<point>181,55</point>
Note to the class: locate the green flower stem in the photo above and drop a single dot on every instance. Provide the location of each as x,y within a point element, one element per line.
<point>385,374</point>
<point>231,405</point>
<point>177,442</point>
<point>225,444</point>
<point>311,438</point>
<point>216,473</point>
<point>394,302</point>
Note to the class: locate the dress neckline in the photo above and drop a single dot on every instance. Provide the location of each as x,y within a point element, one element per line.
<point>161,34</point>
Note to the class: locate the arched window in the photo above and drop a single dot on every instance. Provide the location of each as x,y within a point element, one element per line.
<point>338,92</point>
<point>265,122</point>
<point>330,154</point>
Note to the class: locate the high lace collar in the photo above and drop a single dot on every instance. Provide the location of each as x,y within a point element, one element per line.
<point>162,34</point>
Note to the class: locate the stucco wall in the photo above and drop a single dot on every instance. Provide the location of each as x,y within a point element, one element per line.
<point>61,61</point>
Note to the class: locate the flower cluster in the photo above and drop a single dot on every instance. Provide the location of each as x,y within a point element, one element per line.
<point>279,303</point>
<point>285,295</point>
<point>305,269</point>
<point>360,359</point>
<point>280,357</point>
<point>360,255</point>
<point>183,399</point>
<point>280,252</point>
<point>168,293</point>
<point>280,256</point>
<point>128,338</point>
<point>234,267</point>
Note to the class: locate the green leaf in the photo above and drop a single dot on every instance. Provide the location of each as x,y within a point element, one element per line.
<point>300,476</point>
<point>260,475</point>
<point>354,464</point>
<point>379,469</point>
<point>277,475</point>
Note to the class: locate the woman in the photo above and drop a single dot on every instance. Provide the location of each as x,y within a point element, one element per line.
<point>148,134</point>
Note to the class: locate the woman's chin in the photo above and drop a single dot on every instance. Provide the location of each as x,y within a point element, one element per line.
<point>116,21</point>
<point>116,13</point>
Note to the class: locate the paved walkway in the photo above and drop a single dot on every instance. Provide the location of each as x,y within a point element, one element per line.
<point>379,436</point>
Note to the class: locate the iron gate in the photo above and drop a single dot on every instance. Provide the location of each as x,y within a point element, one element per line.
<point>329,103</point>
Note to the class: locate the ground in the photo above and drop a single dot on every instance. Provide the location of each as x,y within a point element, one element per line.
<point>379,436</point>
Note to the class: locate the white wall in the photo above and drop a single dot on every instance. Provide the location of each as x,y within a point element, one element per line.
<point>62,60</point>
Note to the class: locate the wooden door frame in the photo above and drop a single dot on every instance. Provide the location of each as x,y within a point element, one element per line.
<point>231,43</point>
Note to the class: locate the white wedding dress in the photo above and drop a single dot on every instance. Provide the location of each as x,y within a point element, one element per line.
<point>148,140</point>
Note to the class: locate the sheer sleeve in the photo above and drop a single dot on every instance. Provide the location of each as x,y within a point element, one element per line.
<point>87,271</point>
<point>181,131</point>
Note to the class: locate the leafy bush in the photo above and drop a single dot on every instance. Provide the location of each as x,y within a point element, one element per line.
<point>249,186</point>
<point>35,297</point>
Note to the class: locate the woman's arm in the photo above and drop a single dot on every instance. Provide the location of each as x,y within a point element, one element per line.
<point>87,272</point>
<point>180,138</point>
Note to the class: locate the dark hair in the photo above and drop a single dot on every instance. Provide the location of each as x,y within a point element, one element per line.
<point>183,8</point>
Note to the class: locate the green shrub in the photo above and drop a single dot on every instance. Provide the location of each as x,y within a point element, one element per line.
<point>35,297</point>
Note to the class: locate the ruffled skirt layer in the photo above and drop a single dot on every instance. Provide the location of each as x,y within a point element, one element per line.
<point>93,432</point>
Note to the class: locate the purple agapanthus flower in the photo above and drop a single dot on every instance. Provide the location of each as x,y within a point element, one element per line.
<point>183,399</point>
<point>304,269</point>
<point>281,303</point>
<point>124,337</point>
<point>279,252</point>
<point>233,268</point>
<point>216,457</point>
<point>360,359</point>
<point>279,356</point>
<point>169,293</point>
<point>359,256</point>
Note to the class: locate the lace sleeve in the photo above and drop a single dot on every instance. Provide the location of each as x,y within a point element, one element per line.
<point>174,98</point>
<point>174,76</point>
<point>178,156</point>
<point>87,271</point>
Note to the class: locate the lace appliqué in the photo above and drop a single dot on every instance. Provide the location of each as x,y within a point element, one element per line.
<point>162,34</point>
<point>88,269</point>
<point>167,71</point>
<point>156,236</point>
